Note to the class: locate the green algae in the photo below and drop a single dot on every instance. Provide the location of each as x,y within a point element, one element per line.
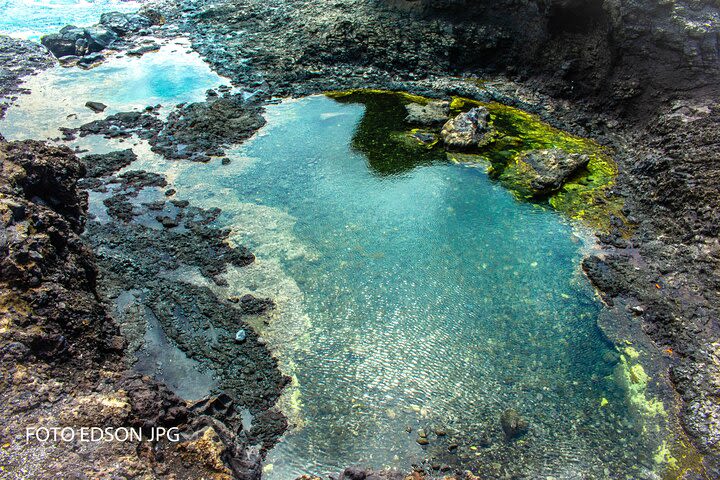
<point>391,149</point>
<point>585,197</point>
<point>382,135</point>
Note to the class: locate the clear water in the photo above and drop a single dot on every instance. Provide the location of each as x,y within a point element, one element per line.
<point>167,77</point>
<point>433,298</point>
<point>30,19</point>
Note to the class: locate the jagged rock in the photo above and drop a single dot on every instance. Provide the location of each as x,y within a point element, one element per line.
<point>433,113</point>
<point>96,107</point>
<point>101,165</point>
<point>122,23</point>
<point>513,424</point>
<point>470,129</point>
<point>74,41</point>
<point>550,169</point>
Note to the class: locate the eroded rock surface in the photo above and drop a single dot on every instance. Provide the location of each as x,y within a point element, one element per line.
<point>467,130</point>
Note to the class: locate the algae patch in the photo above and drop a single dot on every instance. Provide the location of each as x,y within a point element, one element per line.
<point>392,147</point>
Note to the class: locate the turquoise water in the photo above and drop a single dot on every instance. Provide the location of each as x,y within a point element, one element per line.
<point>167,77</point>
<point>434,298</point>
<point>31,19</point>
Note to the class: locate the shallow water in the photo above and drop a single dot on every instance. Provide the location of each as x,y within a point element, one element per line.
<point>167,77</point>
<point>435,299</point>
<point>419,295</point>
<point>30,19</point>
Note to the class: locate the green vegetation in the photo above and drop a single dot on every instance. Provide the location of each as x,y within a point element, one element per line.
<point>393,148</point>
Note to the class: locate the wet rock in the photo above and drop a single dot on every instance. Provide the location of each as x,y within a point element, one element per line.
<point>550,169</point>
<point>422,441</point>
<point>426,138</point>
<point>471,129</point>
<point>96,107</point>
<point>240,336</point>
<point>142,50</point>
<point>200,130</point>
<point>90,60</point>
<point>74,41</point>
<point>122,23</point>
<point>101,165</point>
<point>251,305</point>
<point>513,424</point>
<point>225,161</point>
<point>432,113</point>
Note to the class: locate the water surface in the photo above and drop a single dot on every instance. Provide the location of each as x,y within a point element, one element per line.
<point>30,19</point>
<point>434,299</point>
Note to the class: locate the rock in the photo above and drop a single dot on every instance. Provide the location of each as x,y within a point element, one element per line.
<point>433,113</point>
<point>91,60</point>
<point>426,138</point>
<point>353,473</point>
<point>550,169</point>
<point>101,165</point>
<point>422,441</point>
<point>140,51</point>
<point>74,41</point>
<point>440,432</point>
<point>255,306</point>
<point>512,424</point>
<point>225,161</point>
<point>96,107</point>
<point>240,336</point>
<point>122,24</point>
<point>471,129</point>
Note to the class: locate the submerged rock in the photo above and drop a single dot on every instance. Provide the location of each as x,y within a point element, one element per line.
<point>471,129</point>
<point>433,113</point>
<point>513,424</point>
<point>550,169</point>
<point>100,165</point>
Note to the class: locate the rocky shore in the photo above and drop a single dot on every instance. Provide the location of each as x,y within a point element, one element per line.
<point>638,77</point>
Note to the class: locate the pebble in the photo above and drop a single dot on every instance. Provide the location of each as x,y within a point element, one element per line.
<point>240,336</point>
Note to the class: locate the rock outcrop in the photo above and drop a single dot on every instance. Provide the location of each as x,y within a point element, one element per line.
<point>470,129</point>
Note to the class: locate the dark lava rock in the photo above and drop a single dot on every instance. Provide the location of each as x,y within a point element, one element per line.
<point>251,305</point>
<point>471,129</point>
<point>75,41</point>
<point>512,424</point>
<point>433,113</point>
<point>102,165</point>
<point>142,50</point>
<point>123,124</point>
<point>551,168</point>
<point>122,23</point>
<point>19,58</point>
<point>200,130</point>
<point>96,107</point>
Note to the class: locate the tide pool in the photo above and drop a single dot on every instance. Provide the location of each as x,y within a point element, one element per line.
<point>434,299</point>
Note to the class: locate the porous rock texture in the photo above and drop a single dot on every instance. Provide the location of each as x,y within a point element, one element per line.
<point>61,353</point>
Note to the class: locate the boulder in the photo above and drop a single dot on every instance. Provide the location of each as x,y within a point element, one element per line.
<point>470,129</point>
<point>432,113</point>
<point>122,23</point>
<point>549,169</point>
<point>513,424</point>
<point>74,41</point>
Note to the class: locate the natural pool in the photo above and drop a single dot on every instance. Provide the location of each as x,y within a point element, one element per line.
<point>434,298</point>
<point>424,294</point>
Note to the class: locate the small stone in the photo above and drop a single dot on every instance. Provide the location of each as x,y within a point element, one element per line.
<point>452,447</point>
<point>422,441</point>
<point>170,192</point>
<point>225,161</point>
<point>422,433</point>
<point>240,336</point>
<point>96,107</point>
<point>440,432</point>
<point>233,299</point>
<point>513,424</point>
